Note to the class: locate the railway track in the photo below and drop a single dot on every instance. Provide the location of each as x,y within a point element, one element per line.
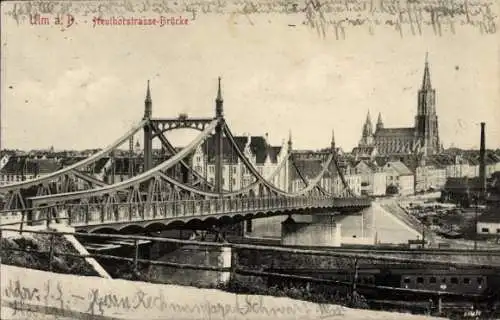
<point>371,250</point>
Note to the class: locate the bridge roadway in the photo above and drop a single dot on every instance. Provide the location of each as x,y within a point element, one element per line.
<point>151,216</point>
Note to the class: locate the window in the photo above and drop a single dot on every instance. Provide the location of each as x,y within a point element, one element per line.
<point>234,169</point>
<point>454,280</point>
<point>432,280</point>
<point>479,280</point>
<point>420,280</point>
<point>443,280</point>
<point>498,230</point>
<point>466,281</point>
<point>406,280</point>
<point>485,230</point>
<point>249,226</point>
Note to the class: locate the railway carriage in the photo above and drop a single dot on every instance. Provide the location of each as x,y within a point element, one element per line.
<point>372,279</point>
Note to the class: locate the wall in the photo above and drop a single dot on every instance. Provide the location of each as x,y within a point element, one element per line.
<point>357,228</point>
<point>266,227</point>
<point>77,297</point>
<point>406,185</point>
<point>493,228</point>
<point>318,233</point>
<point>379,183</point>
<point>388,228</point>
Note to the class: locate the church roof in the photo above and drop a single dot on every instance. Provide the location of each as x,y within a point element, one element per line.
<point>395,132</point>
<point>363,150</point>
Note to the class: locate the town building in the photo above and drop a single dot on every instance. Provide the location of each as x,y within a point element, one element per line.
<point>429,176</point>
<point>21,168</point>
<point>373,178</point>
<point>265,158</point>
<point>399,177</point>
<point>488,223</point>
<point>312,165</point>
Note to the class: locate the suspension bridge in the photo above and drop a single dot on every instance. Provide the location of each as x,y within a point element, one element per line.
<point>159,196</point>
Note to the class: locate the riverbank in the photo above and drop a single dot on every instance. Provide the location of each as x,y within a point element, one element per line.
<point>15,249</point>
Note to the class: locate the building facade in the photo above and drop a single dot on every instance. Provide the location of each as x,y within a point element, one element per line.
<point>373,178</point>
<point>270,162</point>
<point>21,168</point>
<point>400,176</point>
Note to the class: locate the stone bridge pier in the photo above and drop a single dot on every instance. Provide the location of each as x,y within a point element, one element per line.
<point>311,230</point>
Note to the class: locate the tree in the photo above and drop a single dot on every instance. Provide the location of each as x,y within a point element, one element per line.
<point>392,189</point>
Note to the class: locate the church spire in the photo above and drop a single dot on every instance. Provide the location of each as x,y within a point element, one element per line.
<point>289,140</point>
<point>148,104</point>
<point>380,123</point>
<point>333,140</point>
<point>367,128</point>
<point>426,81</point>
<point>219,101</point>
<point>219,92</point>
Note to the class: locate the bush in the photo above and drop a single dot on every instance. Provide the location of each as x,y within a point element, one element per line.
<point>40,260</point>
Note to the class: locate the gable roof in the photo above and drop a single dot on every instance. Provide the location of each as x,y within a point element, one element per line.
<point>399,167</point>
<point>25,165</point>
<point>310,168</point>
<point>258,146</point>
<point>370,164</point>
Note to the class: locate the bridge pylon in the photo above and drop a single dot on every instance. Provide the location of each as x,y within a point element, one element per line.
<point>148,133</point>
<point>219,115</point>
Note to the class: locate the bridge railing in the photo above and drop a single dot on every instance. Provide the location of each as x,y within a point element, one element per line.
<point>88,214</point>
<point>108,213</point>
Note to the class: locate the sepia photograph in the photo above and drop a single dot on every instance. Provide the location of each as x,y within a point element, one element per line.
<point>250,159</point>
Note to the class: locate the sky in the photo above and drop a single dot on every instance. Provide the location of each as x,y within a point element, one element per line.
<point>84,87</point>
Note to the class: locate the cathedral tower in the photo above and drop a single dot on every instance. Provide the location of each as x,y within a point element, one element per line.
<point>367,134</point>
<point>426,120</point>
<point>380,123</point>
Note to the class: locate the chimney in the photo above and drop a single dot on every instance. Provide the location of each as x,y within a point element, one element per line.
<point>482,163</point>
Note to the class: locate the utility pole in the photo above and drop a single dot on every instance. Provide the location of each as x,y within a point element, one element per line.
<point>475,225</point>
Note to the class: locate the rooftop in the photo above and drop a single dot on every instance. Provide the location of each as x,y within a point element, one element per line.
<point>394,132</point>
<point>399,167</point>
<point>492,214</point>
